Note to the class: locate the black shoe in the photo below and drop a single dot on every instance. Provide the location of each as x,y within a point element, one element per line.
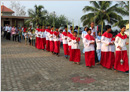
<point>127,72</point>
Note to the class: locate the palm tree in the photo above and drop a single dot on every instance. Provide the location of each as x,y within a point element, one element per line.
<point>125,5</point>
<point>38,15</point>
<point>101,12</point>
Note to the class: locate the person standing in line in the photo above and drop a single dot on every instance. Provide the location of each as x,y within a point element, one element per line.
<point>75,49</point>
<point>56,42</point>
<point>47,31</point>
<point>6,31</point>
<point>65,42</point>
<point>20,35</point>
<point>94,34</point>
<point>61,41</point>
<point>121,52</point>
<point>89,42</point>
<point>107,59</point>
<point>51,40</point>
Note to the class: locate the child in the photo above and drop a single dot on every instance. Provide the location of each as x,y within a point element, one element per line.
<point>98,42</point>
<point>51,40</point>
<point>26,37</point>
<point>20,35</point>
<point>31,38</point>
<point>56,42</point>
<point>84,33</point>
<point>43,38</point>
<point>121,51</point>
<point>65,42</point>
<point>89,49</point>
<point>107,59</point>
<point>29,35</point>
<point>75,50</point>
<point>47,31</point>
<point>37,37</point>
<point>61,41</point>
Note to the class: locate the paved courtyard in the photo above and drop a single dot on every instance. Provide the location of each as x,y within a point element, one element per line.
<point>25,68</point>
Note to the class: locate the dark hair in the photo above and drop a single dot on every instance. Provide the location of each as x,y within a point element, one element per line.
<point>76,27</point>
<point>88,29</point>
<point>57,27</point>
<point>51,26</point>
<point>98,32</point>
<point>65,26</point>
<point>85,27</point>
<point>70,26</point>
<point>107,27</point>
<point>122,26</point>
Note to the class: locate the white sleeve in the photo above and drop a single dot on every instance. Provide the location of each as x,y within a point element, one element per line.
<point>117,41</point>
<point>86,42</point>
<point>103,40</point>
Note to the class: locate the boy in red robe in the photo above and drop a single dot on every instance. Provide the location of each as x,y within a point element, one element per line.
<point>56,42</point>
<point>51,40</point>
<point>107,55</point>
<point>89,49</point>
<point>43,41</point>
<point>65,42</point>
<point>37,32</point>
<point>121,52</point>
<point>75,50</point>
<point>47,32</point>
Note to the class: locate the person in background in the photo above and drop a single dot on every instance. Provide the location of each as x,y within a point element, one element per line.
<point>20,35</point>
<point>6,30</point>
<point>13,32</point>
<point>76,29</point>
<point>9,32</point>
<point>84,33</point>
<point>17,34</point>
<point>98,42</point>
<point>70,29</point>
<point>33,38</point>
<point>29,36</point>
<point>121,52</point>
<point>61,41</point>
<point>89,41</point>
<point>22,32</point>
<point>26,37</point>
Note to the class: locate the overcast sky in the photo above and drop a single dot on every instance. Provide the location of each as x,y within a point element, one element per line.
<point>71,9</point>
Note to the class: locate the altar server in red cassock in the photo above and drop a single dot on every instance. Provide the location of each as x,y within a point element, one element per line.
<point>75,50</point>
<point>65,42</point>
<point>43,40</point>
<point>47,32</point>
<point>56,41</point>
<point>37,37</point>
<point>107,55</point>
<point>89,49</point>
<point>121,51</point>
<point>51,40</point>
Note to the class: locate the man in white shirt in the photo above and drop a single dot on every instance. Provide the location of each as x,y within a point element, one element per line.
<point>5,30</point>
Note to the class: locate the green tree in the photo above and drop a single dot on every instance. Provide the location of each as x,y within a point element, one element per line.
<point>38,15</point>
<point>101,12</point>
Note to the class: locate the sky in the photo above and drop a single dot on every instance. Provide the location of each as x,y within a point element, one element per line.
<point>71,9</point>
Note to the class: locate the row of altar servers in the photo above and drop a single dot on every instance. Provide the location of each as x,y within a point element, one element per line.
<point>49,40</point>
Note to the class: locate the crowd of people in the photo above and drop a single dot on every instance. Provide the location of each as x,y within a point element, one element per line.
<point>106,50</point>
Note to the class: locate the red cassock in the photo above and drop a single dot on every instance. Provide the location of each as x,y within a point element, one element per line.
<point>75,54</point>
<point>47,39</point>
<point>65,43</point>
<point>43,41</point>
<point>69,43</point>
<point>56,42</point>
<point>37,38</point>
<point>89,50</point>
<point>121,41</point>
<point>107,55</point>
<point>51,42</point>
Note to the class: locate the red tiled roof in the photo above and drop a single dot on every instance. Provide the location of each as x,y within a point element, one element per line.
<point>5,9</point>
